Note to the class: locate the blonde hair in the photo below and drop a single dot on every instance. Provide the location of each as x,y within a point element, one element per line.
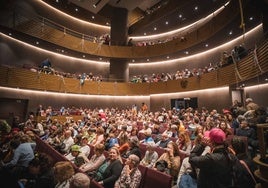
<point>117,152</point>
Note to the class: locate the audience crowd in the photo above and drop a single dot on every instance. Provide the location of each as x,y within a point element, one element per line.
<point>108,145</point>
<point>235,55</point>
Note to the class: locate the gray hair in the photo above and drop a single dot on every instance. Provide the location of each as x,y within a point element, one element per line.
<point>80,180</point>
<point>134,159</point>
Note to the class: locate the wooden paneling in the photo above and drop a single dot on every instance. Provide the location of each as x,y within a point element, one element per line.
<point>247,68</point>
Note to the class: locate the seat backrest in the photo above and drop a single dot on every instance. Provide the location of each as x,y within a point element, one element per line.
<point>92,152</point>
<point>94,184</point>
<point>160,151</point>
<point>154,178</point>
<point>143,170</point>
<point>143,148</point>
<point>244,138</point>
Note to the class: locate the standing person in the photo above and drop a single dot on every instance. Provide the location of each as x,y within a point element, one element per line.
<point>130,175</point>
<point>23,153</point>
<point>215,167</point>
<point>250,105</point>
<point>144,107</point>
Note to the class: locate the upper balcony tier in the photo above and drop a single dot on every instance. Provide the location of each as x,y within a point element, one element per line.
<point>252,66</point>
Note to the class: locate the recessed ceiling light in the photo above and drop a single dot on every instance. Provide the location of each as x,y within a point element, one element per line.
<point>180,16</point>
<point>196,8</point>
<point>84,56</point>
<point>93,17</point>
<point>166,22</point>
<point>251,18</point>
<point>231,32</point>
<point>206,45</point>
<point>62,51</point>
<point>186,52</point>
<point>9,34</point>
<point>144,33</point>
<point>107,23</point>
<point>57,1</point>
<point>148,59</point>
<point>76,9</point>
<point>133,60</point>
<point>36,42</point>
<point>100,58</point>
<point>155,28</point>
<point>167,57</point>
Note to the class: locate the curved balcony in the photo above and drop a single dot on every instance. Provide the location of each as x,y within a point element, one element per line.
<point>252,66</point>
<point>68,40</point>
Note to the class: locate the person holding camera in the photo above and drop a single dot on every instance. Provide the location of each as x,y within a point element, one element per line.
<point>172,159</point>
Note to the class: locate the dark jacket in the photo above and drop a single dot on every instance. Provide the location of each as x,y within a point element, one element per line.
<point>112,173</point>
<point>215,168</point>
<point>135,150</point>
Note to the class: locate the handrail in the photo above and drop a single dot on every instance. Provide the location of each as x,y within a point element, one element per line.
<point>47,22</point>
<point>98,49</point>
<point>225,76</point>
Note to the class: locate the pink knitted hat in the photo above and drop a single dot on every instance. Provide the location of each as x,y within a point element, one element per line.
<point>217,135</point>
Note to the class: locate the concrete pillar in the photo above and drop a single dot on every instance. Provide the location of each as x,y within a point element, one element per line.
<point>119,69</point>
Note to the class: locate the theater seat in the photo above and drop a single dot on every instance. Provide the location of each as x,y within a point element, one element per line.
<point>154,178</point>
<point>94,184</point>
<point>143,170</point>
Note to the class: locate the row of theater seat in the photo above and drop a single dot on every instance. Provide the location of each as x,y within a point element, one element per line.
<point>150,177</point>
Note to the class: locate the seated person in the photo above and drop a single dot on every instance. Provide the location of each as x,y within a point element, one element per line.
<point>130,175</point>
<point>95,161</point>
<point>164,141</point>
<point>110,141</point>
<point>148,138</point>
<point>172,158</point>
<point>76,156</point>
<point>109,172</point>
<point>251,134</point>
<point>63,173</point>
<point>80,180</point>
<point>239,147</point>
<point>85,149</point>
<point>150,156</point>
<point>185,144</point>
<point>133,148</point>
<point>40,172</point>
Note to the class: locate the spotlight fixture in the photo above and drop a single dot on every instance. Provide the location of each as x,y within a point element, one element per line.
<point>96,4</point>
